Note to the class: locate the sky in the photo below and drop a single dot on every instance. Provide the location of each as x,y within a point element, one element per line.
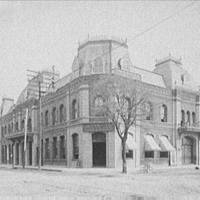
<point>37,35</point>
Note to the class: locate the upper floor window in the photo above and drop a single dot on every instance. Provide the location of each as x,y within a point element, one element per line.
<point>188,117</point>
<point>98,65</point>
<point>61,110</point>
<point>16,126</point>
<point>29,125</point>
<point>163,113</point>
<point>46,118</point>
<point>75,143</point>
<point>74,109</point>
<point>9,128</point>
<point>5,129</point>
<point>149,111</point>
<point>54,116</point>
<point>98,102</point>
<point>182,117</point>
<point>193,117</point>
<point>12,127</point>
<point>22,124</point>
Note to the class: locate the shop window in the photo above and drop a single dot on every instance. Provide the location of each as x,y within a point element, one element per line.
<point>163,154</point>
<point>62,147</point>
<point>54,147</point>
<point>75,141</point>
<point>47,151</point>
<point>149,154</point>
<point>129,153</point>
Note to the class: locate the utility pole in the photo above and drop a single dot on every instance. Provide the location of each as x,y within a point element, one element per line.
<point>40,121</point>
<point>39,83</point>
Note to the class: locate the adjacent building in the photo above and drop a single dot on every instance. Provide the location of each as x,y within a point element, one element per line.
<point>74,136</point>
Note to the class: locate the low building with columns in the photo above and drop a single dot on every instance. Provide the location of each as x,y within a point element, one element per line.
<point>73,135</point>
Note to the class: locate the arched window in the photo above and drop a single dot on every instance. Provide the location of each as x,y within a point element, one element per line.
<point>182,117</point>
<point>98,65</point>
<point>46,118</point>
<point>149,111</point>
<point>74,109</point>
<point>12,127</point>
<point>5,129</point>
<point>9,128</point>
<point>22,125</point>
<point>16,126</point>
<point>188,117</point>
<point>193,118</point>
<point>29,125</point>
<point>98,102</point>
<point>61,110</point>
<point>75,142</point>
<point>163,113</point>
<point>54,116</point>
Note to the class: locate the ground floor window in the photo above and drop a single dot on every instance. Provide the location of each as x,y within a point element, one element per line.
<point>75,141</point>
<point>47,152</point>
<point>129,153</point>
<point>62,147</point>
<point>149,154</point>
<point>54,147</point>
<point>163,154</point>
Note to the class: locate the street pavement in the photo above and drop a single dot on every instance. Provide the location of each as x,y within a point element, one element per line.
<point>99,184</point>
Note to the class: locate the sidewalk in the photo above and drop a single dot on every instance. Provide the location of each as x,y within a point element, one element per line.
<point>53,168</point>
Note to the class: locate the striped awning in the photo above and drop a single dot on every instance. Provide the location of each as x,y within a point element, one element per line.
<point>150,144</point>
<point>165,144</point>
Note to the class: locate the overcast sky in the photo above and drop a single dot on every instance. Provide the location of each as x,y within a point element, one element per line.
<point>37,35</point>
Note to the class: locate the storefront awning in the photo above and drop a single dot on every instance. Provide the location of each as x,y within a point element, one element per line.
<point>165,144</point>
<point>150,144</point>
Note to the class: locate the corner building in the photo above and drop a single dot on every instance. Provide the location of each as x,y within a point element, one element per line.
<point>74,136</point>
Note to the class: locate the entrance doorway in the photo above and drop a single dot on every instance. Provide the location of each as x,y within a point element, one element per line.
<point>188,150</point>
<point>99,149</point>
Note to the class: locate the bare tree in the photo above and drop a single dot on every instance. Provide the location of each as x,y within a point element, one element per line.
<point>123,104</point>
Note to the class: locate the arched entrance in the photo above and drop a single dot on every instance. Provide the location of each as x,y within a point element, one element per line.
<point>188,150</point>
<point>99,149</point>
